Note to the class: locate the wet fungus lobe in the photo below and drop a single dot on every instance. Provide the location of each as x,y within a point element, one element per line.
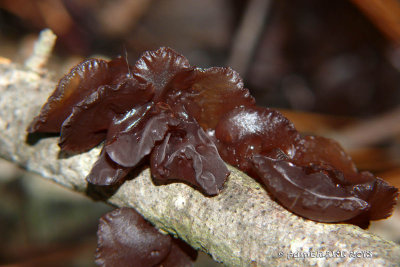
<point>125,238</point>
<point>184,121</point>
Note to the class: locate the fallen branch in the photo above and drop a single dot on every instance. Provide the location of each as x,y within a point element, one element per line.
<point>241,226</point>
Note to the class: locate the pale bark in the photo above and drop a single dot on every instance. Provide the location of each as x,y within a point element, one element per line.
<point>241,226</point>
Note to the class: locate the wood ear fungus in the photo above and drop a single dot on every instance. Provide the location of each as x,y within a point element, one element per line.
<point>186,121</point>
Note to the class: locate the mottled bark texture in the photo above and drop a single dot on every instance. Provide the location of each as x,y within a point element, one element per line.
<point>241,226</point>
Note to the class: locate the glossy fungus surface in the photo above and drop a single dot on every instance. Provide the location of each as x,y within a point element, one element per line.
<point>185,122</point>
<point>125,238</point>
<point>308,194</point>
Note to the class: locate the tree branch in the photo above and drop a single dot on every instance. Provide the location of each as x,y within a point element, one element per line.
<point>241,226</point>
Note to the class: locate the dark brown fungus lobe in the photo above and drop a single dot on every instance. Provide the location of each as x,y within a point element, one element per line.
<point>134,136</point>
<point>87,125</point>
<point>159,68</point>
<point>181,255</point>
<point>73,88</point>
<point>188,155</point>
<point>126,239</point>
<point>209,94</point>
<point>246,131</point>
<point>313,196</point>
<point>320,154</point>
<point>323,153</point>
<point>381,197</point>
<point>106,172</point>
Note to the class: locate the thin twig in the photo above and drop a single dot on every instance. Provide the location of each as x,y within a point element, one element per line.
<point>371,131</point>
<point>248,34</point>
<point>41,51</point>
<point>385,14</point>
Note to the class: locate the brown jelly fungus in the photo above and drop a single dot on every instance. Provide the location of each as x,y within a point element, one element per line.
<point>185,122</point>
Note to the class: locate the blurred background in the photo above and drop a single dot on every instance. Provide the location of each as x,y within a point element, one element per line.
<point>332,67</point>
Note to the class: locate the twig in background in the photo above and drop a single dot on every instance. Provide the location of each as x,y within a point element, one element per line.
<point>247,35</point>
<point>384,14</point>
<point>41,51</point>
<point>371,131</point>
